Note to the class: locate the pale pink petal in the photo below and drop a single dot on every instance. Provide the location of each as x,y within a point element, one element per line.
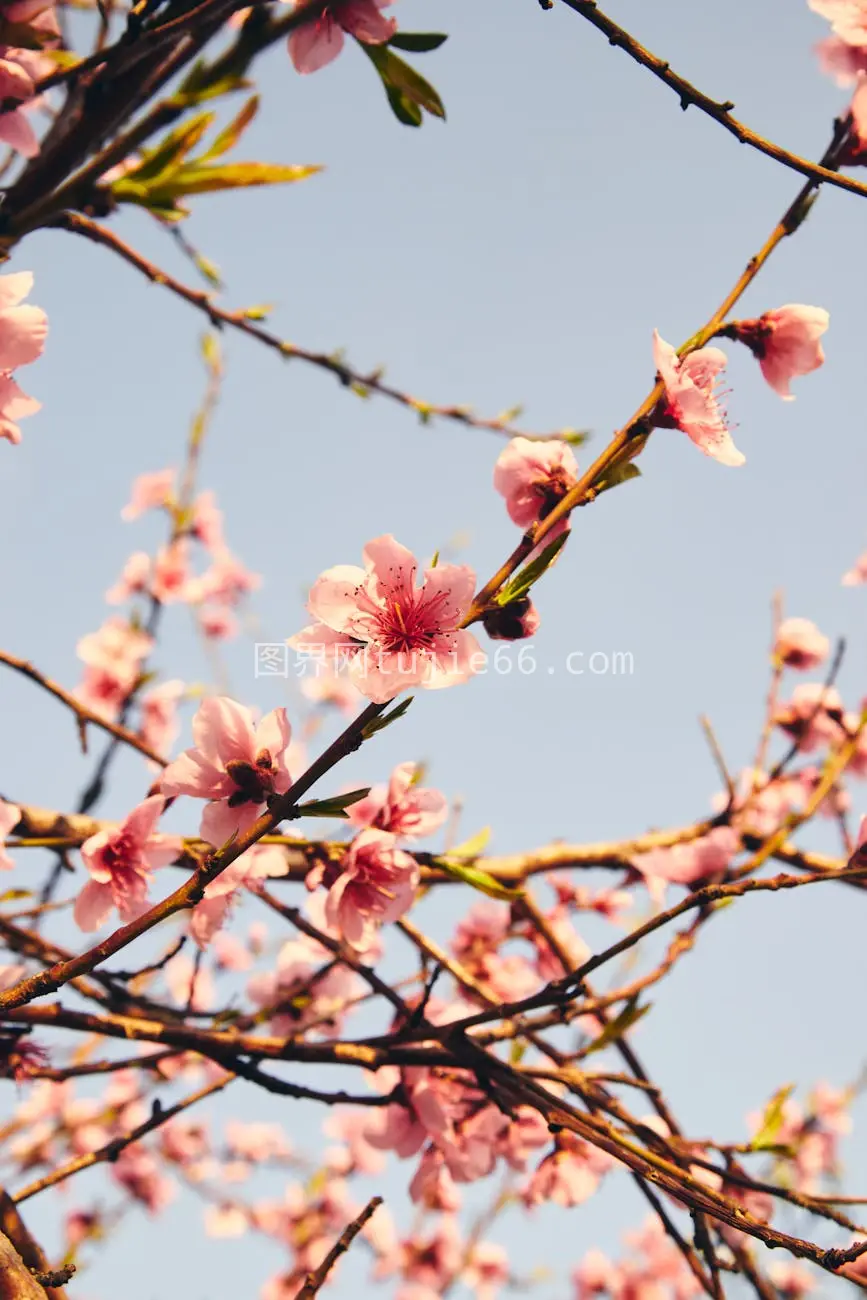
<point>334,596</point>
<point>314,45</point>
<point>93,906</point>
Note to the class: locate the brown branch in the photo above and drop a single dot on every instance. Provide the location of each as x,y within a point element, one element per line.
<point>112,1149</point>
<point>84,716</point>
<point>720,111</point>
<point>238,320</point>
<point>315,1280</point>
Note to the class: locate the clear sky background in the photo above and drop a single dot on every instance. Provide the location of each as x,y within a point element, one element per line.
<point>523,251</point>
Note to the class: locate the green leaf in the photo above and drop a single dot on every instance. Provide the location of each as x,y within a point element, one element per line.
<point>619,474</point>
<point>261,311</point>
<point>459,869</point>
<point>231,134</point>
<point>15,895</point>
<point>772,1120</point>
<point>335,807</point>
<point>171,150</point>
<point>386,719</point>
<point>408,92</point>
<point>517,1051</point>
<point>196,179</point>
<point>417,42</point>
<point>621,1024</point>
<point>473,847</point>
<point>521,583</point>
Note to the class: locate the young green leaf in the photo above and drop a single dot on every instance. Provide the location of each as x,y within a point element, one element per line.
<point>521,583</point>
<point>335,807</point>
<point>386,719</point>
<point>231,134</point>
<point>460,869</point>
<point>772,1120</point>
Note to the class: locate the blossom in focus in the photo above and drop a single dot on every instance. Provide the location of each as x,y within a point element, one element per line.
<point>785,342</point>
<point>800,644</point>
<point>10,816</point>
<point>690,401</point>
<point>235,765</point>
<point>533,477</point>
<point>120,862</point>
<point>392,633</point>
<point>684,864</point>
<point>404,808</point>
<point>317,42</point>
<point>373,883</point>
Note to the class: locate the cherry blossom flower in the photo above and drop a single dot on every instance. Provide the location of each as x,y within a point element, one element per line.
<point>206,524</point>
<point>317,42</point>
<point>569,1175</point>
<point>113,658</point>
<point>534,477</point>
<point>690,401</point>
<point>10,816</point>
<point>813,716</point>
<point>20,1058</point>
<point>791,1280</point>
<point>158,726</point>
<point>857,575</point>
<point>785,342</point>
<point>848,19</point>
<point>15,405</point>
<point>406,809</point>
<point>800,644</point>
<point>120,862</point>
<point>23,329</point>
<point>172,577</point>
<point>153,491</point>
<point>844,62</point>
<point>373,883</point>
<point>355,1155</point>
<point>392,633</point>
<point>133,581</point>
<point>234,765</point>
<point>258,863</point>
<point>136,1170</point>
<point>296,995</point>
<point>432,1184</point>
<point>684,864</point>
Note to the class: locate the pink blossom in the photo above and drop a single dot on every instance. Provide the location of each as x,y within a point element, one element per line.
<point>113,658</point>
<point>534,477</point>
<point>393,634</point>
<point>432,1184</point>
<point>517,621</point>
<point>844,62</point>
<point>10,816</point>
<point>315,43</point>
<point>120,862</point>
<point>20,1058</point>
<point>813,716</point>
<point>226,1220</point>
<point>487,1269</point>
<point>133,581</point>
<point>857,575</point>
<point>225,582</point>
<point>523,1137</point>
<point>791,1280</point>
<point>685,864</point>
<point>785,342</point>
<point>373,883</point>
<point>189,985</point>
<point>23,329</point>
<point>690,402</point>
<point>172,577</point>
<point>15,405</point>
<point>800,644</point>
<point>848,19</point>
<point>256,1142</point>
<point>217,623</point>
<point>207,522</point>
<point>356,1155</point>
<point>569,1175</point>
<point>258,863</point>
<point>137,1172</point>
<point>158,726</point>
<point>595,1275</point>
<point>408,810</point>
<point>234,765</point>
<point>150,492</point>
<point>295,995</point>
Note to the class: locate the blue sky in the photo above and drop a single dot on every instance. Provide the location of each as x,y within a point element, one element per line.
<point>523,251</point>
